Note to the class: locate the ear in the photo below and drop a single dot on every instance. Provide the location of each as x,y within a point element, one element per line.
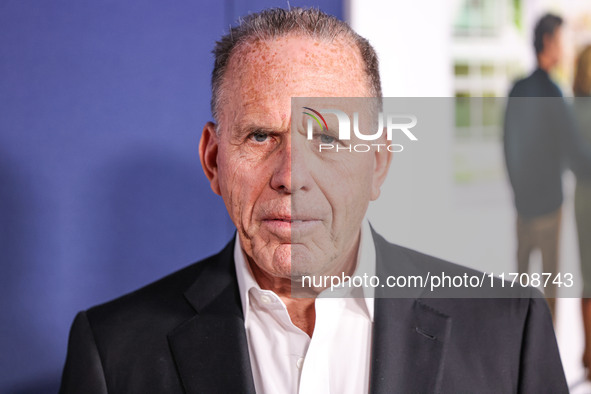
<point>382,160</point>
<point>208,153</point>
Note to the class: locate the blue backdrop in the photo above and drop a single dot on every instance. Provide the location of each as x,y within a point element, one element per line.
<point>101,190</point>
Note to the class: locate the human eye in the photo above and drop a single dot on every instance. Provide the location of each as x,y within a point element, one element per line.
<point>326,139</point>
<point>258,136</point>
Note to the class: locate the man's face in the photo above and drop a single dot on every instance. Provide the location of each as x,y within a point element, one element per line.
<point>553,46</point>
<point>297,211</point>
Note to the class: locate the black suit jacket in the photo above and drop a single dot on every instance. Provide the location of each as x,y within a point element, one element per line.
<point>185,333</point>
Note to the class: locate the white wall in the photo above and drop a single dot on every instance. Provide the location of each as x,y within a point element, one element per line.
<point>413,40</point>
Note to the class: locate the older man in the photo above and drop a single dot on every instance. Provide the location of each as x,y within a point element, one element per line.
<point>232,322</point>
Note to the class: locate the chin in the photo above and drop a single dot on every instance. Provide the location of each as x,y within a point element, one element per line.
<point>304,262</point>
<point>291,261</point>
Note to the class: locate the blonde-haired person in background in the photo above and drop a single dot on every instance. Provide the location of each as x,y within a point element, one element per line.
<point>582,90</point>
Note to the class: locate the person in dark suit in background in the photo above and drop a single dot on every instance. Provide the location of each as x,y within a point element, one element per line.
<point>540,140</point>
<point>230,323</point>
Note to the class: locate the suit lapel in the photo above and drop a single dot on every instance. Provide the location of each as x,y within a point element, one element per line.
<point>210,349</point>
<point>409,337</point>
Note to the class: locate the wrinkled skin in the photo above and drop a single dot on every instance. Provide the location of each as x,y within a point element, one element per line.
<point>297,211</point>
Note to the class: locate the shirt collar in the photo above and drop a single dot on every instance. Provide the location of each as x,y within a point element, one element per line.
<point>366,265</point>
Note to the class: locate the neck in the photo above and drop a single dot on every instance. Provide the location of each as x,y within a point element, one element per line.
<point>545,63</point>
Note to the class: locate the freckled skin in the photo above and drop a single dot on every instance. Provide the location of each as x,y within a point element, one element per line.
<point>278,173</point>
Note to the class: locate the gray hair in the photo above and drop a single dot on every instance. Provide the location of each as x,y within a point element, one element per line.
<point>276,22</point>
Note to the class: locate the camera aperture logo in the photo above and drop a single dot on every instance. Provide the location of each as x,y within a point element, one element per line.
<point>334,142</point>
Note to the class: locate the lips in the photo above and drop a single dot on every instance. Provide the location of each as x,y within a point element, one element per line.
<point>287,227</point>
<point>285,215</point>
<point>289,220</point>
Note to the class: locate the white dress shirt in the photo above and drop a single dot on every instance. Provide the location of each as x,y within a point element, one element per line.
<point>284,359</point>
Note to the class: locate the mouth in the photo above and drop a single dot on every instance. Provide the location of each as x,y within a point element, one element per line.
<point>289,220</point>
<point>286,227</point>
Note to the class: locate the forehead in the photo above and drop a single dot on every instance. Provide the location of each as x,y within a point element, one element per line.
<point>263,75</point>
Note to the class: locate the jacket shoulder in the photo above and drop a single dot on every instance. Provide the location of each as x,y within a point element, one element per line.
<point>520,87</point>
<point>442,279</point>
<point>415,261</point>
<point>124,344</point>
<point>146,306</point>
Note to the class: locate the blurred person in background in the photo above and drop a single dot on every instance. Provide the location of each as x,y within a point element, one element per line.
<point>582,90</point>
<point>540,140</point>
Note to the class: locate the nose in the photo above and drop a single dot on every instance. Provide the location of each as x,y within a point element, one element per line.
<point>291,172</point>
